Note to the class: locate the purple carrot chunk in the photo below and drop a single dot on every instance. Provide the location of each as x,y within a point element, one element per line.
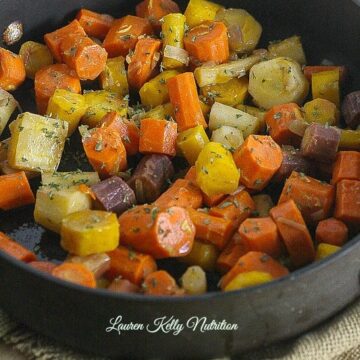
<point>351,109</point>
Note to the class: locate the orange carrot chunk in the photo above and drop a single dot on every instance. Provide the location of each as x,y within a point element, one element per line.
<point>15,191</point>
<point>182,193</point>
<point>157,232</point>
<point>236,207</point>
<point>258,159</point>
<point>347,166</point>
<point>310,70</point>
<point>160,283</point>
<point>254,261</point>
<point>279,118</point>
<point>124,33</point>
<point>12,70</point>
<point>331,231</point>
<point>130,265</point>
<point>347,203</point>
<point>294,232</point>
<point>211,229</point>
<point>185,101</point>
<point>123,286</point>
<point>235,249</point>
<point>84,56</point>
<point>155,10</point>
<point>314,198</point>
<point>129,132</point>
<point>75,273</point>
<point>50,78</point>
<point>43,266</point>
<point>261,235</point>
<point>54,39</point>
<point>12,248</point>
<point>143,62</point>
<point>208,42</point>
<point>94,24</point>
<point>158,137</point>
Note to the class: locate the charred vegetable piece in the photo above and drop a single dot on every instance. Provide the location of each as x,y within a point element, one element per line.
<point>150,177</point>
<point>98,264</point>
<point>292,161</point>
<point>8,105</point>
<point>90,232</point>
<point>36,142</point>
<point>351,109</point>
<point>114,195</point>
<point>320,143</point>
<point>243,30</point>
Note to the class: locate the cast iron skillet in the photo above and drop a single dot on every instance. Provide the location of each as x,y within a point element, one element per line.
<point>284,308</point>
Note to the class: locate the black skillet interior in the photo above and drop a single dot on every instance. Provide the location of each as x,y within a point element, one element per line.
<point>322,40</point>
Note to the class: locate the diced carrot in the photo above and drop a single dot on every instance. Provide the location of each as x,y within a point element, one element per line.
<point>347,203</point>
<point>75,273</point>
<point>211,229</point>
<point>278,120</point>
<point>12,248</point>
<point>294,232</point>
<point>208,42</point>
<point>160,283</point>
<point>143,62</point>
<point>15,191</point>
<point>313,198</point>
<point>123,286</point>
<point>160,233</point>
<point>235,249</point>
<point>158,137</point>
<point>130,265</point>
<point>43,266</point>
<point>254,261</point>
<point>105,151</point>
<point>124,33</point>
<point>129,132</point>
<point>258,159</point>
<point>155,10</point>
<point>12,70</point>
<point>54,39</point>
<point>310,70</point>
<point>95,24</point>
<point>50,78</point>
<point>185,100</point>
<point>183,193</point>
<point>236,207</point>
<point>347,166</point>
<point>261,235</point>
<point>208,200</point>
<point>84,56</point>
<point>331,231</point>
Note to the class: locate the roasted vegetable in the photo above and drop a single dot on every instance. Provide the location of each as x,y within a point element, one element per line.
<point>325,250</point>
<point>325,85</point>
<point>13,33</point>
<point>231,138</point>
<point>90,232</point>
<point>66,180</point>
<point>332,231</point>
<point>12,70</point>
<point>291,48</point>
<point>98,264</point>
<point>248,279</point>
<point>67,106</point>
<point>199,11</point>
<point>216,172</point>
<point>349,139</point>
<point>321,111</point>
<point>244,31</point>
<point>351,109</point>
<point>35,56</point>
<point>263,204</point>
<point>36,142</point>
<point>223,115</point>
<point>8,104</point>
<point>346,166</point>
<point>277,81</point>
<point>194,281</point>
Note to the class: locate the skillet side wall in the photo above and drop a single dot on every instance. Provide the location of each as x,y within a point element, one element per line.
<point>78,317</point>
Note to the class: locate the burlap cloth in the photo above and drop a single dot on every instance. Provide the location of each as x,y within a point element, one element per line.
<point>337,339</point>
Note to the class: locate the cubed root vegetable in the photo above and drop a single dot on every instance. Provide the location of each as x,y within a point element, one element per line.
<point>331,231</point>
<point>120,285</point>
<point>325,250</point>
<point>157,232</point>
<point>98,264</point>
<point>94,24</point>
<point>254,261</point>
<point>130,265</point>
<point>313,197</point>
<point>248,279</point>
<point>294,232</point>
<point>12,248</point>
<point>258,159</point>
<point>90,232</point>
<point>325,85</point>
<point>194,281</point>
<point>291,48</point>
<point>12,70</point>
<point>160,283</point>
<point>321,111</point>
<point>199,11</point>
<point>347,166</point>
<point>75,273</point>
<point>43,266</point>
